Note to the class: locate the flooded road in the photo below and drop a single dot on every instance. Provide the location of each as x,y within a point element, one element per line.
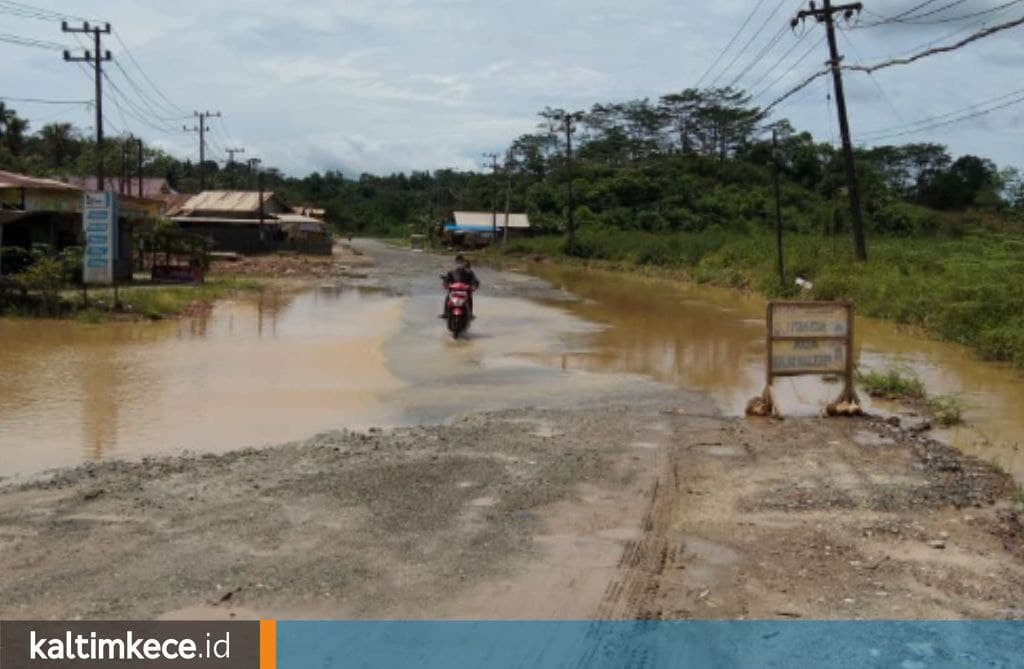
<point>712,339</point>
<point>282,367</point>
<point>251,372</point>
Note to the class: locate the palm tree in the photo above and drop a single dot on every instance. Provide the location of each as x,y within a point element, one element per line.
<point>59,142</point>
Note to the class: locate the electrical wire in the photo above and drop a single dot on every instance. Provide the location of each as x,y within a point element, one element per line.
<point>45,101</point>
<point>775,66</point>
<point>730,43</point>
<point>32,42</point>
<point>938,120</point>
<point>145,76</point>
<point>791,67</point>
<point>885,97</point>
<point>750,41</point>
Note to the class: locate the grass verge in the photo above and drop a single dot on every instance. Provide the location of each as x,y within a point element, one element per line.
<point>157,301</point>
<point>967,289</point>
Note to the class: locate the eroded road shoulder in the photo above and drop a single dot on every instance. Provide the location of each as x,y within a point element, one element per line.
<point>820,520</point>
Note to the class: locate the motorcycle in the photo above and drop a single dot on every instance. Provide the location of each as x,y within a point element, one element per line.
<point>458,308</point>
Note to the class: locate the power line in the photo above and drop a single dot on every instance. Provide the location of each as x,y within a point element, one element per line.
<point>916,18</point>
<point>31,11</point>
<point>881,91</point>
<point>936,50</point>
<point>32,42</point>
<point>791,67</point>
<point>758,58</point>
<point>154,107</point>
<point>963,113</point>
<point>775,66</point>
<point>750,41</point>
<point>729,44</point>
<point>145,76</point>
<point>44,101</point>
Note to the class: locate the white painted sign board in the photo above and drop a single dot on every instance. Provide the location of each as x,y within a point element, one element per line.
<point>99,221</point>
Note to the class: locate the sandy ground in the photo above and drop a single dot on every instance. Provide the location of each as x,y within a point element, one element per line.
<point>345,262</point>
<point>641,504</point>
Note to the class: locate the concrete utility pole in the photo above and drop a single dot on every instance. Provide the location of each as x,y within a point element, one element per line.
<point>96,58</point>
<point>202,129</point>
<point>494,195</point>
<point>826,14</point>
<point>231,164</point>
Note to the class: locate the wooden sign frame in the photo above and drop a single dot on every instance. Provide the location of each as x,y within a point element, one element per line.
<point>848,402</point>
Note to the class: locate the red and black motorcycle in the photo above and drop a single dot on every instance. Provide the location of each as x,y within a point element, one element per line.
<point>459,308</point>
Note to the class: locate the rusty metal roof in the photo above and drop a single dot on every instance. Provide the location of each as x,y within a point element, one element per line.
<point>15,180</point>
<point>153,188</point>
<point>222,202</point>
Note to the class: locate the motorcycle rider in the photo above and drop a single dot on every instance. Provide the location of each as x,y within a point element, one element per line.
<point>463,273</point>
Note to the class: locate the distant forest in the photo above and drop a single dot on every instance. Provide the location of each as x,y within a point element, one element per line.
<point>686,162</point>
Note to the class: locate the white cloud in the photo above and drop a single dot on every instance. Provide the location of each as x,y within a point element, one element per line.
<point>382,85</point>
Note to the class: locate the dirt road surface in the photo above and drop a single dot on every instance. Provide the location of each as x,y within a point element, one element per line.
<point>607,497</point>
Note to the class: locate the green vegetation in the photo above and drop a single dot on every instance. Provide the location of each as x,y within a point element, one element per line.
<point>969,290</point>
<point>906,386</point>
<point>683,185</point>
<point>946,410</point>
<point>892,384</point>
<point>159,301</point>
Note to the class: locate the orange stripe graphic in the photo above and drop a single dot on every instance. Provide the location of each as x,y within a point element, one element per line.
<point>268,644</point>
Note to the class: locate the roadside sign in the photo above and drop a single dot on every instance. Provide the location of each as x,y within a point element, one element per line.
<point>809,338</point>
<point>99,225</point>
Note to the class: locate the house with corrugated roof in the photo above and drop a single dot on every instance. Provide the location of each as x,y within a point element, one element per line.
<point>249,222</point>
<point>35,210</point>
<point>472,228</point>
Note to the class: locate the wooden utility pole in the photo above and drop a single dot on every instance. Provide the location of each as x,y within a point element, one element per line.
<point>231,164</point>
<point>138,143</point>
<point>826,14</point>
<point>97,57</point>
<point>202,129</point>
<point>778,208</point>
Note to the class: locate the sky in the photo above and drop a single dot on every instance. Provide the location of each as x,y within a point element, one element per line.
<point>382,86</point>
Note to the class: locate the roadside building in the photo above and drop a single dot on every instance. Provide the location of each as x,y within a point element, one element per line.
<point>242,222</point>
<point>37,211</point>
<point>153,188</point>
<point>475,228</point>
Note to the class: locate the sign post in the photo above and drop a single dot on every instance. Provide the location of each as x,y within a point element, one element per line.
<point>809,338</point>
<point>99,222</point>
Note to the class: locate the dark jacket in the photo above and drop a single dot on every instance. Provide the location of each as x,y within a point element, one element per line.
<point>462,275</point>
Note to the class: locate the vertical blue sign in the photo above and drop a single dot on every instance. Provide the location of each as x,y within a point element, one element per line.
<point>99,225</point>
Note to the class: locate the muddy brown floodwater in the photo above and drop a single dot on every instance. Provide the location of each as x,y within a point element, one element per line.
<point>712,340</point>
<point>369,352</point>
<point>568,460</point>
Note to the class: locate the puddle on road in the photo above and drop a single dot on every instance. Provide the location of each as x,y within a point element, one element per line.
<point>266,370</point>
<point>711,339</point>
<point>282,367</point>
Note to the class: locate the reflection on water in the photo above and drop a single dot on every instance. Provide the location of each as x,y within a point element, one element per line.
<point>710,339</point>
<point>266,370</point>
